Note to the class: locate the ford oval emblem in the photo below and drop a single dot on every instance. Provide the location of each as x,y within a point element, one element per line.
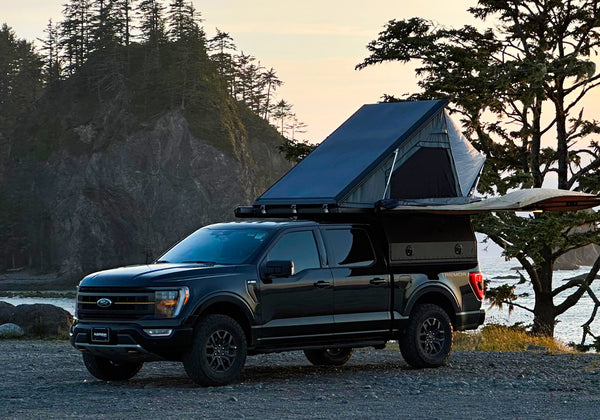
<point>104,302</point>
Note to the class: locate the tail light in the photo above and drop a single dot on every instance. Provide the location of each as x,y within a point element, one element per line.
<point>476,282</point>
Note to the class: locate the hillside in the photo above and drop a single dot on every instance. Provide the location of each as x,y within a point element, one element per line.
<point>116,163</point>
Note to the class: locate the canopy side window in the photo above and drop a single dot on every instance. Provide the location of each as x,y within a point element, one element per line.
<point>428,173</point>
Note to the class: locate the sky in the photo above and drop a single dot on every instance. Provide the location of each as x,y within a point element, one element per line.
<point>313,45</point>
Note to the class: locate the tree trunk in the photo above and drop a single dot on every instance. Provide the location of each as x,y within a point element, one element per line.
<point>544,311</point>
<point>543,318</point>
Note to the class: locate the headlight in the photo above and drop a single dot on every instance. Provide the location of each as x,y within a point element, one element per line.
<point>168,303</point>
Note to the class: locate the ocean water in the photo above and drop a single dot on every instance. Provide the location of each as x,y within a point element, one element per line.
<point>492,264</point>
<point>569,323</point>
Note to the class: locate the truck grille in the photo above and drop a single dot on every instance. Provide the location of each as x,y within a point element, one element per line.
<point>125,304</point>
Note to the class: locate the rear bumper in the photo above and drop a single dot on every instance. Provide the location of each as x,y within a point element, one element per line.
<point>469,320</point>
<point>129,342</point>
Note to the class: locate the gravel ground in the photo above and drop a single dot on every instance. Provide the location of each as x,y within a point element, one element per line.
<point>47,379</point>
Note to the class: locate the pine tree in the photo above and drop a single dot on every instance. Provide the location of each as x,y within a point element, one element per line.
<point>75,33</point>
<point>281,111</point>
<point>51,49</point>
<point>152,22</point>
<point>272,82</point>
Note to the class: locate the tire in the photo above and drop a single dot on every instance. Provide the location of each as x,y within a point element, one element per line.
<point>108,370</point>
<point>218,351</point>
<point>328,357</point>
<point>428,340</point>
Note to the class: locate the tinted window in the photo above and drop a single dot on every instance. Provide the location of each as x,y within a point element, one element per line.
<point>350,247</point>
<point>299,247</point>
<point>220,246</point>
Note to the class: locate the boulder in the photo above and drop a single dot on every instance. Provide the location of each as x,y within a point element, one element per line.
<point>572,260</point>
<point>11,331</point>
<point>7,312</point>
<point>43,320</point>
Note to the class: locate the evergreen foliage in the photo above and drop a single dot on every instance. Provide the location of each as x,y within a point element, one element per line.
<point>111,66</point>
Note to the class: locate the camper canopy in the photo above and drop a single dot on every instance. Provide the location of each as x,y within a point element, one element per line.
<point>390,150</point>
<point>402,156</point>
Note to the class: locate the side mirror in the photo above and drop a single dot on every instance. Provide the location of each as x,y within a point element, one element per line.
<point>277,269</point>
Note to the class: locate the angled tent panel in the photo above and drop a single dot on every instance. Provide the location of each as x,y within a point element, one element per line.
<point>467,160</point>
<point>351,153</point>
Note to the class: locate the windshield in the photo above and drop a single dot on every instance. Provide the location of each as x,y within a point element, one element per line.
<point>217,246</point>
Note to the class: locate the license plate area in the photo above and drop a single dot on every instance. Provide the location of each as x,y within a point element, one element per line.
<point>100,335</point>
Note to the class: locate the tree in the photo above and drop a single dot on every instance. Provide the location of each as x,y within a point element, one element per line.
<point>152,22</point>
<point>75,33</point>
<point>531,71</point>
<point>281,111</point>
<point>295,126</point>
<point>294,150</point>
<point>51,50</point>
<point>222,46</point>
<point>272,82</point>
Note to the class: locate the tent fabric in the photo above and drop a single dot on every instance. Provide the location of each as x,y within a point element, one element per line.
<point>467,160</point>
<point>351,153</point>
<point>534,199</point>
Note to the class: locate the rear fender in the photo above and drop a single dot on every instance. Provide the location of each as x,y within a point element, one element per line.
<point>438,294</point>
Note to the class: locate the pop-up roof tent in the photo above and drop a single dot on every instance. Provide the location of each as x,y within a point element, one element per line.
<point>404,156</point>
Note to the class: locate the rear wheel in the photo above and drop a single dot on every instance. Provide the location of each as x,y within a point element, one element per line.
<point>108,370</point>
<point>328,357</point>
<point>428,340</point>
<point>218,352</point>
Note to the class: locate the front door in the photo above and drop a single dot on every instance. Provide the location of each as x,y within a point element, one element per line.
<point>300,307</point>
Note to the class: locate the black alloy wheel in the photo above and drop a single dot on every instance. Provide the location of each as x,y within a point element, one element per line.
<point>432,336</point>
<point>218,352</point>
<point>221,351</point>
<point>428,339</point>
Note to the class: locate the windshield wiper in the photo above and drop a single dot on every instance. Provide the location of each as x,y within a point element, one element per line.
<point>162,262</point>
<point>199,262</point>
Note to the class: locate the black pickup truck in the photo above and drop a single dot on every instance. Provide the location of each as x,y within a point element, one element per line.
<point>235,289</point>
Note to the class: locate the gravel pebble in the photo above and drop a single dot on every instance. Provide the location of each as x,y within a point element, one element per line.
<point>47,379</point>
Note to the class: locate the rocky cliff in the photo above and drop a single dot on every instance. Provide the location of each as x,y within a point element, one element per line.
<point>92,184</point>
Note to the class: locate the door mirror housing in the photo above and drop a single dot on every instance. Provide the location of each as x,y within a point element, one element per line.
<point>277,268</point>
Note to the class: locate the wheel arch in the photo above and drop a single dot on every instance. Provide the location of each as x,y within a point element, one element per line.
<point>230,305</point>
<point>437,295</point>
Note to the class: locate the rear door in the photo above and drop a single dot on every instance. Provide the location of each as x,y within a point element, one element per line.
<point>299,307</point>
<point>361,282</point>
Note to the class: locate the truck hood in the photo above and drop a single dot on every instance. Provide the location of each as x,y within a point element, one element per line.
<point>152,274</point>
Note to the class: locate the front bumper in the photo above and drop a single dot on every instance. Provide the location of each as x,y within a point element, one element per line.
<point>128,342</point>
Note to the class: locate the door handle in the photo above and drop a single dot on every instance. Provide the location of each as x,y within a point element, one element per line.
<point>377,280</point>
<point>322,284</point>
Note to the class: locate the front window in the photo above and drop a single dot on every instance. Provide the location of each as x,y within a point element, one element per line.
<point>298,247</point>
<point>217,246</point>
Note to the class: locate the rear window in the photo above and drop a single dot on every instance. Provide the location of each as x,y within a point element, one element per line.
<point>350,247</point>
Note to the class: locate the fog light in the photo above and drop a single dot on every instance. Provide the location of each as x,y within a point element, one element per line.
<point>158,332</point>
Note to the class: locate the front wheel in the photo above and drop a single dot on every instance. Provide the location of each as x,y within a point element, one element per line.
<point>108,370</point>
<point>328,357</point>
<point>218,351</point>
<point>428,340</point>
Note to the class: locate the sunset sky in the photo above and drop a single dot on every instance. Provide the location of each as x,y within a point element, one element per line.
<point>313,45</point>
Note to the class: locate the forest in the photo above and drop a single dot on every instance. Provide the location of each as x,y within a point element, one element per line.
<point>109,71</point>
